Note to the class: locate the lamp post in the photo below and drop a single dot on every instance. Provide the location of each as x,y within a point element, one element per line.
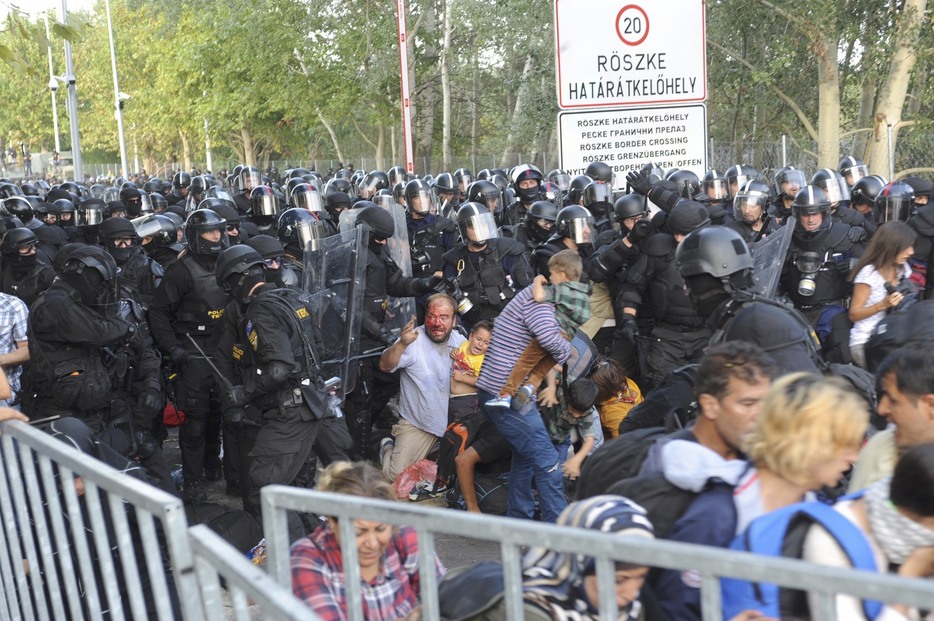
<point>53,86</point>
<point>119,97</point>
<point>72,102</point>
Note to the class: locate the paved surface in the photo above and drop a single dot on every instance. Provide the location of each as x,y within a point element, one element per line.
<point>453,550</point>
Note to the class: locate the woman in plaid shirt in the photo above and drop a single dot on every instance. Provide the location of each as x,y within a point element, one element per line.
<point>388,556</point>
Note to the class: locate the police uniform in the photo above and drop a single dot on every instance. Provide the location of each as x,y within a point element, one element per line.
<point>140,276</point>
<point>277,330</point>
<point>189,301</point>
<point>25,281</point>
<point>489,277</point>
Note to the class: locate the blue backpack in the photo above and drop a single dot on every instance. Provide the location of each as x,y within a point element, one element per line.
<point>782,533</point>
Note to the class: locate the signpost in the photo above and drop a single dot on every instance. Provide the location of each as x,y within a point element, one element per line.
<point>671,137</point>
<point>620,53</point>
<point>631,82</point>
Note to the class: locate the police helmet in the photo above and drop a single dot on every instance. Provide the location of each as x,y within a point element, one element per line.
<point>378,220</point>
<point>687,216</point>
<point>865,191</point>
<point>234,261</point>
<point>485,193</point>
<point>300,226</point>
<point>17,238</point>
<point>852,170</point>
<point>894,202</point>
<point>418,197</point>
<point>476,223</point>
<point>629,206</point>
<point>600,171</point>
<point>575,223</point>
<point>205,221</point>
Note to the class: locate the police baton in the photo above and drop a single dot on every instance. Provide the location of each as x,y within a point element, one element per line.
<point>217,372</point>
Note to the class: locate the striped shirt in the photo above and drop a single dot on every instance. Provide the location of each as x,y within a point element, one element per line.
<point>13,330</point>
<point>522,320</point>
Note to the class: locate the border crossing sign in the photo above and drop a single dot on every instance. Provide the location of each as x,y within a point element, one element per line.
<point>613,53</point>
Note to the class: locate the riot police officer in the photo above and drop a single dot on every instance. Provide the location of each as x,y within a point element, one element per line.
<point>248,179</point>
<point>189,302</point>
<point>679,334</point>
<point>139,274</point>
<point>430,235</point>
<point>486,268</point>
<point>298,231</point>
<point>88,218</point>
<point>158,236</point>
<point>536,229</point>
<point>751,218</point>
<point>526,181</point>
<point>574,230</point>
<point>280,371</point>
<point>383,279</point>
<point>180,183</point>
<point>816,269</point>
<point>23,275</point>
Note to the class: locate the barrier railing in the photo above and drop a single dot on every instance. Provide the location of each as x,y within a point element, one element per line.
<point>216,560</point>
<point>710,563</point>
<point>110,545</point>
<point>105,544</point>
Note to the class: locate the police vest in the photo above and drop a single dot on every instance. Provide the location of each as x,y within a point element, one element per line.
<point>482,277</point>
<point>139,277</point>
<point>25,287</point>
<point>830,280</point>
<point>670,303</point>
<point>203,304</point>
<point>425,237</point>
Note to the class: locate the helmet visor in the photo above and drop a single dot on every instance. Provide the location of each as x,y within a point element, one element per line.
<point>715,189</point>
<point>310,234</point>
<point>145,204</point>
<point>833,191</point>
<point>90,216</point>
<point>110,195</point>
<point>563,181</point>
<point>265,205</point>
<point>749,207</point>
<point>479,228</point>
<point>854,173</point>
<point>422,202</point>
<point>790,181</point>
<point>580,230</point>
<point>368,185</point>
<point>893,208</point>
<point>312,201</point>
<point>249,179</point>
<point>735,183</point>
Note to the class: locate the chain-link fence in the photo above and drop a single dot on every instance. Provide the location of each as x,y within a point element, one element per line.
<point>913,151</point>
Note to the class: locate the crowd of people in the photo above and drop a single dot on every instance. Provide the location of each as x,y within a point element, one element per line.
<point>684,358</point>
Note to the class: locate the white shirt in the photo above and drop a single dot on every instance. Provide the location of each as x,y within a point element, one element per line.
<point>869,275</point>
<point>425,381</point>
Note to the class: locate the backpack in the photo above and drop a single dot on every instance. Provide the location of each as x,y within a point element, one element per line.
<point>620,458</point>
<point>457,437</point>
<point>782,533</point>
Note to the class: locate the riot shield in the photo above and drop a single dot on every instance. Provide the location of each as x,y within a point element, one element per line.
<point>768,257</point>
<point>398,310</point>
<point>334,281</point>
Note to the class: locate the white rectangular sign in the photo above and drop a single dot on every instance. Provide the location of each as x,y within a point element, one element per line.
<point>627,138</point>
<point>630,52</point>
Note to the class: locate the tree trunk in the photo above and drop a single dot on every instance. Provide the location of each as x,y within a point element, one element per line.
<point>381,148</point>
<point>446,85</point>
<point>186,149</point>
<point>893,93</point>
<point>517,112</point>
<point>474,107</point>
<point>828,97</point>
<point>246,139</point>
<point>332,134</point>
<point>394,144</point>
<point>864,118</point>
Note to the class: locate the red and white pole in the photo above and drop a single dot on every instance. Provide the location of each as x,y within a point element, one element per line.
<point>404,75</point>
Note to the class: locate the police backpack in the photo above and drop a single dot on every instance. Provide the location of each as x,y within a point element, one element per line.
<point>782,533</point>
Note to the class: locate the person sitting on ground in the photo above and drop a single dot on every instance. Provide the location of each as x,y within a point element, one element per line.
<point>388,556</point>
<point>616,394</point>
<point>571,299</point>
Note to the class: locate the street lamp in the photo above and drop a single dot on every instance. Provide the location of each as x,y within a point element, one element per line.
<point>53,86</point>
<point>119,97</point>
<point>72,101</point>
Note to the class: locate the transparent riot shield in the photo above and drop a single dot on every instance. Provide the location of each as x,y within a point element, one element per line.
<point>335,282</point>
<point>768,257</point>
<point>398,310</point>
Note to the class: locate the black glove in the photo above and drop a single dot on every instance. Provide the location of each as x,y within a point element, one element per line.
<point>628,328</point>
<point>856,234</point>
<point>434,281</point>
<point>640,182</point>
<point>146,445</point>
<point>640,232</point>
<point>178,355</point>
<point>235,416</point>
<point>150,401</point>
<point>234,396</point>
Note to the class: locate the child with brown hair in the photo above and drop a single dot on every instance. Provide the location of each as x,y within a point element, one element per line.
<point>571,299</point>
<point>616,394</point>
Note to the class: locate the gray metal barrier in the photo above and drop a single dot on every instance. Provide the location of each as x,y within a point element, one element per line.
<point>216,559</point>
<point>50,528</point>
<point>710,563</point>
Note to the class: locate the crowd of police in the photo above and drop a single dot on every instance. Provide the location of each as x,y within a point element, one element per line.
<point>190,291</point>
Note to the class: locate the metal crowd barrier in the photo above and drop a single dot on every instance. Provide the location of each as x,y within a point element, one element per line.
<point>70,554</point>
<point>711,564</point>
<point>215,559</point>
